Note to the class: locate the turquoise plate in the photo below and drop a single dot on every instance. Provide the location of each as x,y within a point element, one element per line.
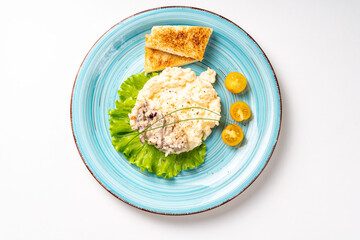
<point>227,171</point>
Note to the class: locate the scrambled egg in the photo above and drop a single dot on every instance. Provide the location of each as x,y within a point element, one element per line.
<point>176,88</point>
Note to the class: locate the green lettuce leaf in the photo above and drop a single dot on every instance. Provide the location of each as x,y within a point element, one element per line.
<point>145,156</point>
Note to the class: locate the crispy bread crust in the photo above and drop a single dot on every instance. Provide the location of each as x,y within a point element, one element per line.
<point>156,60</point>
<point>186,41</point>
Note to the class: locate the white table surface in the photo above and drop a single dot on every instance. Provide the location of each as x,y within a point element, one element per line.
<point>309,190</point>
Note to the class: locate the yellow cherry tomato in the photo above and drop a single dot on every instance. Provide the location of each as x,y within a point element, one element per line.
<point>240,111</point>
<point>232,135</point>
<point>235,82</point>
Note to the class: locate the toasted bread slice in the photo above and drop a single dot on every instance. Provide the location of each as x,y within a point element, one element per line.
<point>186,41</point>
<point>156,60</point>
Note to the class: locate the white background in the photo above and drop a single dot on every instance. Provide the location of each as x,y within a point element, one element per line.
<point>309,190</point>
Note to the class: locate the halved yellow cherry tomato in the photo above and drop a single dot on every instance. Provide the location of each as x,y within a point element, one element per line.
<point>235,82</point>
<point>240,111</point>
<point>232,135</point>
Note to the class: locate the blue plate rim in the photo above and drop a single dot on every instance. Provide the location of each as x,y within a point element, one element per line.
<point>224,202</point>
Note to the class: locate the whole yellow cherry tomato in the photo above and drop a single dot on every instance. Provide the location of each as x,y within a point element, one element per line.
<point>235,82</point>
